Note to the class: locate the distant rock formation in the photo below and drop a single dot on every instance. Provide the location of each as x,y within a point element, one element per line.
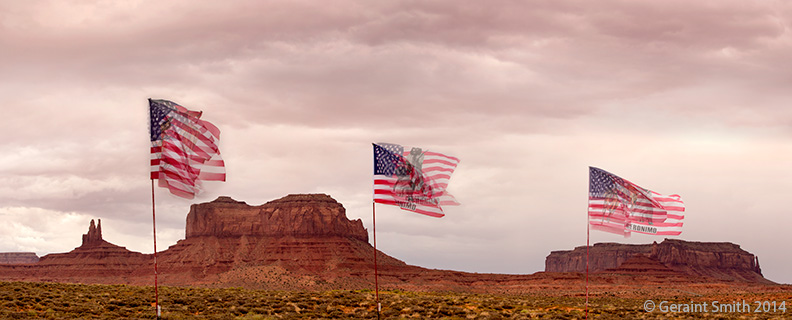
<point>92,261</point>
<point>303,215</point>
<point>279,244</point>
<point>94,234</point>
<point>601,256</point>
<point>305,241</point>
<point>305,233</point>
<point>18,257</point>
<point>723,261</point>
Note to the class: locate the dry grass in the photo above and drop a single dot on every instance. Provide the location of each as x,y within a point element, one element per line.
<point>28,300</point>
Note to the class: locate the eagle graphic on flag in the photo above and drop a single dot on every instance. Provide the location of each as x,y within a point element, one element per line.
<point>413,179</point>
<point>622,207</point>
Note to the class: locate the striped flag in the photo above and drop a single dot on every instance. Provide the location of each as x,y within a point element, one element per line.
<point>412,178</point>
<point>620,206</point>
<point>183,149</point>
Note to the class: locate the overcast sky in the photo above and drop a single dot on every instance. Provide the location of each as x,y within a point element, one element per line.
<point>682,97</point>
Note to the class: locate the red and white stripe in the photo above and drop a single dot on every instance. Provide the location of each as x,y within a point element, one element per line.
<point>186,154</point>
<point>437,170</point>
<point>639,218</point>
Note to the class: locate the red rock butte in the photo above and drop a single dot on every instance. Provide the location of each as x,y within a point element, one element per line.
<point>18,257</point>
<point>305,241</point>
<point>306,215</point>
<point>717,260</point>
<point>297,241</point>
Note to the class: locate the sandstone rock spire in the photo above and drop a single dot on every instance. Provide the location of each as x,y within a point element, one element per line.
<point>94,234</point>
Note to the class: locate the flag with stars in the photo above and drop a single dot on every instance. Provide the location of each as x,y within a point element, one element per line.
<point>184,149</point>
<point>622,207</point>
<point>412,178</point>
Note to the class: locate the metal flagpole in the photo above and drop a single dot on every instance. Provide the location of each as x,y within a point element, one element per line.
<point>154,223</point>
<point>376,274</point>
<point>588,233</point>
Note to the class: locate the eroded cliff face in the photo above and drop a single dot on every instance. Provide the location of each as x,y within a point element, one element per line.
<point>601,256</point>
<point>94,235</point>
<point>305,233</point>
<point>307,242</point>
<point>94,261</point>
<point>18,257</point>
<point>723,261</point>
<point>271,245</point>
<point>304,215</point>
<point>93,248</point>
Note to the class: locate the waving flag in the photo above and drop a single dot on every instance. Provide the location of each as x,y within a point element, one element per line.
<point>183,148</point>
<point>620,206</point>
<point>412,178</point>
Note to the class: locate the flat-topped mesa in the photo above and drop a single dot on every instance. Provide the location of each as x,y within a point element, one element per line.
<point>720,260</point>
<point>18,257</point>
<point>295,215</point>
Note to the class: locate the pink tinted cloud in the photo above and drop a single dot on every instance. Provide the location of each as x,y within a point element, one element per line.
<point>528,91</point>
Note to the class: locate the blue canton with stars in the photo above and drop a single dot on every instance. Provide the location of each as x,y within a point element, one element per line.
<point>158,116</point>
<point>388,160</point>
<point>601,182</point>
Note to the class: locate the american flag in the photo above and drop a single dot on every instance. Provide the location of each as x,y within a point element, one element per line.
<point>620,206</point>
<point>183,149</point>
<point>412,178</point>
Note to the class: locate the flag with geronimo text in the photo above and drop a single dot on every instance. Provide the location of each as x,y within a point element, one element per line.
<point>412,178</point>
<point>620,206</point>
<point>184,149</point>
